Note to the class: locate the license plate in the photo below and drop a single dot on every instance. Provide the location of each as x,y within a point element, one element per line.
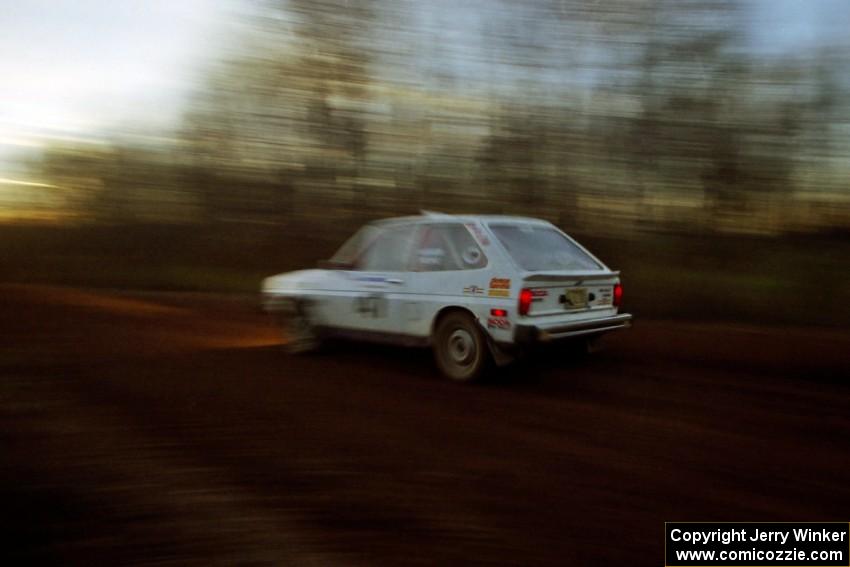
<point>576,298</point>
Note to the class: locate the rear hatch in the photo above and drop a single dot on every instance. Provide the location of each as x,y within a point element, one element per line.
<point>589,293</point>
<point>560,277</point>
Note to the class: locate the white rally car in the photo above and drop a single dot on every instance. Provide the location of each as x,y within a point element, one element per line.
<point>475,288</point>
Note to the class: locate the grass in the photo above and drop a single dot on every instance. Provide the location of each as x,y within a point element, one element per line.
<point>799,281</point>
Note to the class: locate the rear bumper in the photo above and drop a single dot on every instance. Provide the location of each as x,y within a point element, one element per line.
<point>541,333</point>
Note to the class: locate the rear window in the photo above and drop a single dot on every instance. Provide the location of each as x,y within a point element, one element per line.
<point>540,248</point>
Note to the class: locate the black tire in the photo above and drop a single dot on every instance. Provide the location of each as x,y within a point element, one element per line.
<point>299,334</point>
<point>460,347</point>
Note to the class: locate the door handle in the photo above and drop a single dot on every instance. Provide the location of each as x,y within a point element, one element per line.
<point>396,281</point>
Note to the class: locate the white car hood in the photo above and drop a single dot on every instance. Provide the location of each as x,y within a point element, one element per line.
<point>290,281</point>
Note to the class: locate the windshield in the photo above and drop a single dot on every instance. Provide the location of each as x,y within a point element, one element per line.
<point>540,248</point>
<point>377,248</point>
<point>348,253</point>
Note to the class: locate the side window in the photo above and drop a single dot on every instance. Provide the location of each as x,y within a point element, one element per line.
<point>471,255</point>
<point>447,247</point>
<point>388,252</point>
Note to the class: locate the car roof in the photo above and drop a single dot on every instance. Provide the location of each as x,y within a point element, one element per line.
<point>429,216</point>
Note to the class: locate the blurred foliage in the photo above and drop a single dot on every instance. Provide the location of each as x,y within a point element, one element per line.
<point>617,116</point>
<point>624,120</point>
<point>744,278</point>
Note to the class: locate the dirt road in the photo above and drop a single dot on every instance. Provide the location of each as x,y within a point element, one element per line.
<point>170,429</point>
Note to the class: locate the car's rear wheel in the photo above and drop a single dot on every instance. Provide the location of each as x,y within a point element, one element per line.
<point>460,347</point>
<point>299,333</point>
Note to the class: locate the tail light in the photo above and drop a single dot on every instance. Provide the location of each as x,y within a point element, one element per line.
<point>618,294</point>
<point>525,297</point>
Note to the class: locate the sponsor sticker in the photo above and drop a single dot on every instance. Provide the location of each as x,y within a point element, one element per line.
<point>498,323</point>
<point>499,287</point>
<point>374,306</point>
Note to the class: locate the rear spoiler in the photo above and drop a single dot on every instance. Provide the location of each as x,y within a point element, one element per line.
<point>557,277</point>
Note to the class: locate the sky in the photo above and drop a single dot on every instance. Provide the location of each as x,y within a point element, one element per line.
<point>785,26</point>
<point>82,68</point>
<point>77,68</point>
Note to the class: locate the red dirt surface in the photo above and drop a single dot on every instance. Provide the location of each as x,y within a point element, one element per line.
<point>170,429</point>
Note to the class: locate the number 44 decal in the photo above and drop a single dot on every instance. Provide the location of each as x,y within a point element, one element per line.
<point>374,305</point>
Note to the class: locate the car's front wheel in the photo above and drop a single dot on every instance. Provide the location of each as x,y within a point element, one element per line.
<point>299,333</point>
<point>460,347</point>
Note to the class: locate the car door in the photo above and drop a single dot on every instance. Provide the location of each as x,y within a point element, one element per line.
<point>379,283</point>
<point>448,267</point>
